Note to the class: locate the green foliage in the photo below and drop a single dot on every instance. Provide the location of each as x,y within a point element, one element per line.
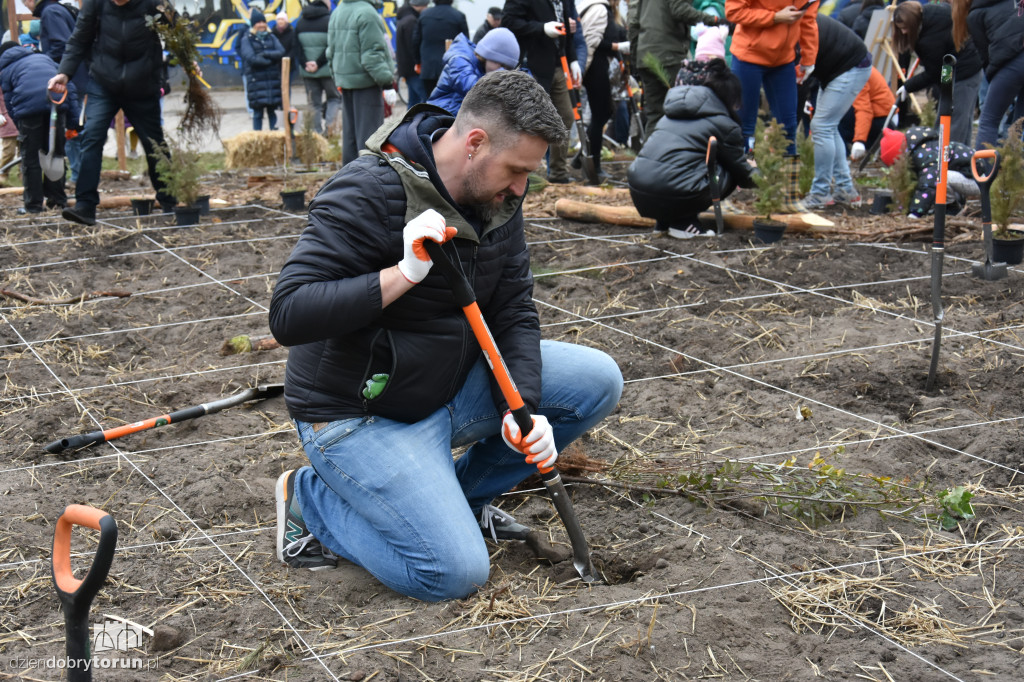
<point>929,114</point>
<point>178,167</point>
<point>652,64</point>
<point>1007,192</point>
<point>805,150</point>
<point>902,181</point>
<point>180,37</point>
<point>770,145</point>
<point>956,506</point>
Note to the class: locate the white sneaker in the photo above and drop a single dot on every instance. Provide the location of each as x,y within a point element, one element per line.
<point>689,232</point>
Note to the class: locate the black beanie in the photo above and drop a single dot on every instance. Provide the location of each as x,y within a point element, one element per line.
<point>8,45</point>
<point>256,16</point>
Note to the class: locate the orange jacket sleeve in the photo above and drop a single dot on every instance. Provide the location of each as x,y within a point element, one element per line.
<point>875,99</point>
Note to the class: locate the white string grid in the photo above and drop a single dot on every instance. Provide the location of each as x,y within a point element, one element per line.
<point>782,289</point>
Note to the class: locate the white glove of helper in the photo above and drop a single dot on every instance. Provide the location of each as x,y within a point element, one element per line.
<point>901,93</point>
<point>624,47</point>
<point>804,72</point>
<point>858,151</point>
<point>539,444</point>
<point>576,73</point>
<point>391,97</point>
<point>427,225</point>
<point>3,119</point>
<point>554,29</point>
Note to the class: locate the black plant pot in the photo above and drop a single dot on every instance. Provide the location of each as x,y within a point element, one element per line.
<point>1009,251</point>
<point>881,204</point>
<point>294,200</point>
<point>186,215</point>
<point>768,231</point>
<point>142,206</point>
<point>203,204</point>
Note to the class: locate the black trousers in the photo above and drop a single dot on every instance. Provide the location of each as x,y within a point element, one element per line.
<point>599,95</point>
<point>33,137</point>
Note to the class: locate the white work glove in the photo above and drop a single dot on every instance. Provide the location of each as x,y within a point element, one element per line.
<point>901,93</point>
<point>624,47</point>
<point>415,265</point>
<point>390,96</point>
<point>576,73</point>
<point>803,72</point>
<point>858,151</point>
<point>554,29</point>
<point>539,444</point>
<point>3,119</point>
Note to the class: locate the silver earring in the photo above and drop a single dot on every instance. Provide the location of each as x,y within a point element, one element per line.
<point>470,157</point>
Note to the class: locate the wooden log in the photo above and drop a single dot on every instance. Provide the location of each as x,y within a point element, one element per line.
<point>599,213</point>
<point>628,216</point>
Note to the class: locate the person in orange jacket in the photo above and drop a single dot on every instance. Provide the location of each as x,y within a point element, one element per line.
<point>764,54</point>
<point>863,123</point>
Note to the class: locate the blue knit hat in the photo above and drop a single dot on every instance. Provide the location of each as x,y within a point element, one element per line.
<point>256,16</point>
<point>499,45</point>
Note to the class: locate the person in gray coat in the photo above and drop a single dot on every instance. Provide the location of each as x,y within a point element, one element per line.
<point>321,94</point>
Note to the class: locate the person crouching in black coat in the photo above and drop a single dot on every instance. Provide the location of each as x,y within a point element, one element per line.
<point>668,180</point>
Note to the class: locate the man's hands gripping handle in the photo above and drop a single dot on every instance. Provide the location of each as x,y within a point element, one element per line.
<point>539,443</point>
<point>428,226</point>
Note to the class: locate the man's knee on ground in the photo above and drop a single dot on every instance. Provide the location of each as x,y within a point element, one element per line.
<point>459,573</point>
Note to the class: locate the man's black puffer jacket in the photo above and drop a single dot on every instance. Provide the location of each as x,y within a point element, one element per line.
<point>126,54</point>
<point>328,308</point>
<point>670,174</point>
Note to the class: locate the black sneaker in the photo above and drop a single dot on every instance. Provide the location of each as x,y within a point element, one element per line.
<point>79,214</point>
<point>498,525</point>
<point>296,546</point>
<point>29,210</point>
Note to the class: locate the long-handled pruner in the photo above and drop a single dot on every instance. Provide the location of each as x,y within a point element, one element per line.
<point>585,158</point>
<point>76,595</point>
<point>988,270</point>
<point>939,230</point>
<point>714,185</point>
<point>466,299</point>
<point>260,392</point>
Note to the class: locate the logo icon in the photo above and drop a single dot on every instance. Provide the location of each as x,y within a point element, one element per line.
<point>114,635</point>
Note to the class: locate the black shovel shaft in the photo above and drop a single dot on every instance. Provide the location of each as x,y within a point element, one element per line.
<point>87,439</point>
<point>465,298</point>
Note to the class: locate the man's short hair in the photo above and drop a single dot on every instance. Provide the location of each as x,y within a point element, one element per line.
<point>495,12</point>
<point>511,103</point>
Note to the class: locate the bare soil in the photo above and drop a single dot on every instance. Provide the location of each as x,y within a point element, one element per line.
<point>811,352</point>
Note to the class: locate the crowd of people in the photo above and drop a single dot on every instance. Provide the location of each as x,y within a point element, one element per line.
<point>795,54</point>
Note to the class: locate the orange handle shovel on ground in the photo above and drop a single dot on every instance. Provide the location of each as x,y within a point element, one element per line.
<point>466,299</point>
<point>989,270</point>
<point>76,595</point>
<point>260,392</point>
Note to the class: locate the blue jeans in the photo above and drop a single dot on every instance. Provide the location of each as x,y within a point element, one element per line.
<point>417,95</point>
<point>779,88</point>
<point>257,118</point>
<point>1006,86</point>
<point>830,165</point>
<point>99,112</point>
<point>387,496</point>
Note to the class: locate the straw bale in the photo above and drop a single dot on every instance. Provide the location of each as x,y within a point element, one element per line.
<point>254,148</point>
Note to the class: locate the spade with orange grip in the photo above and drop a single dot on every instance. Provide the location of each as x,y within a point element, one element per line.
<point>585,158</point>
<point>988,270</point>
<point>466,299</point>
<point>75,594</point>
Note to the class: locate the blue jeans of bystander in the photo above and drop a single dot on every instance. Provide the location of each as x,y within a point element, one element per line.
<point>830,164</point>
